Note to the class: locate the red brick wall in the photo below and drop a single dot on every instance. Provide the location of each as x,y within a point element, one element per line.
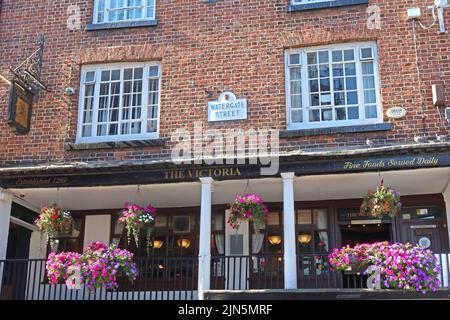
<point>208,48</point>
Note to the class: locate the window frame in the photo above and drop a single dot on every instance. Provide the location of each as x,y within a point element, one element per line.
<point>297,2</point>
<point>98,68</point>
<point>357,46</point>
<point>107,2</point>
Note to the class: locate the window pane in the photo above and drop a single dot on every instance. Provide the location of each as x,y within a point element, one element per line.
<point>352,97</point>
<point>337,56</point>
<point>295,87</point>
<point>369,82</point>
<point>324,70</point>
<point>340,114</point>
<point>105,75</point>
<point>296,101</point>
<point>312,72</point>
<point>87,131</point>
<point>297,116</point>
<point>321,241</point>
<point>314,115</point>
<point>325,84</point>
<point>366,53</point>
<point>369,96</point>
<point>350,69</point>
<point>371,112</point>
<point>325,99</point>
<point>312,58</point>
<point>339,84</point>
<point>294,59</point>
<point>367,68</point>
<point>327,114</point>
<point>338,70</point>
<point>305,242</point>
<point>152,126</point>
<point>295,73</point>
<point>339,99</point>
<point>353,113</point>
<point>350,83</point>
<point>349,55</point>
<point>323,57</point>
<point>90,76</point>
<point>314,86</point>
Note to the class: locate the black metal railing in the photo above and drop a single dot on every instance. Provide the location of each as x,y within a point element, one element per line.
<point>165,278</point>
<point>247,272</point>
<point>313,272</point>
<point>176,278</point>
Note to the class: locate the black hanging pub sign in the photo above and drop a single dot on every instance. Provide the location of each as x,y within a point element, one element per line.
<point>24,89</point>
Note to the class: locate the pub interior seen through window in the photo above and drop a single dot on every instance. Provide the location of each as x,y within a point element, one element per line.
<point>174,235</point>
<point>71,240</point>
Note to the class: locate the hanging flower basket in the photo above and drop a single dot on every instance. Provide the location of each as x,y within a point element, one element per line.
<point>100,266</point>
<point>383,202</point>
<point>138,220</point>
<point>249,207</point>
<point>52,221</point>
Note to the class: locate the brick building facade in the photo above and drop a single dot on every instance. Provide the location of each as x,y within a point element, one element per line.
<point>323,74</point>
<point>208,48</point>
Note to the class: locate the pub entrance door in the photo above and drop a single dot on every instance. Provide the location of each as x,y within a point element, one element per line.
<point>237,256</point>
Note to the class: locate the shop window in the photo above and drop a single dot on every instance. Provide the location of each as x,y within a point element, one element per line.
<point>71,240</point>
<point>218,235</point>
<point>123,10</point>
<point>333,86</point>
<point>312,231</point>
<point>119,102</point>
<point>173,236</point>
<point>312,241</point>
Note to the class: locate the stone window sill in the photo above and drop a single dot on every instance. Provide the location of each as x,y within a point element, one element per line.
<point>114,145</point>
<point>335,130</point>
<point>324,5</point>
<point>120,25</point>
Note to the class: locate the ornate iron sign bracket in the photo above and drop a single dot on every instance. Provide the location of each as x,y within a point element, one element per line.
<point>24,89</point>
<point>28,73</point>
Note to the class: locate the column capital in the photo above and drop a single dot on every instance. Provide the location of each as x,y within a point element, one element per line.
<point>446,192</point>
<point>3,194</point>
<point>287,175</point>
<point>206,180</point>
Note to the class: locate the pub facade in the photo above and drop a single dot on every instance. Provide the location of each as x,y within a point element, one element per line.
<point>306,103</point>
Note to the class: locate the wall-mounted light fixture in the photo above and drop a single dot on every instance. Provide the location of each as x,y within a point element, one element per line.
<point>157,244</point>
<point>184,243</point>
<point>304,238</point>
<point>274,240</point>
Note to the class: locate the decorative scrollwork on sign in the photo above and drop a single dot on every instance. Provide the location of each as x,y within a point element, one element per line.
<point>28,73</point>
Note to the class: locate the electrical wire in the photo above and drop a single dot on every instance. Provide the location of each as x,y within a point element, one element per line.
<point>418,74</point>
<point>434,18</point>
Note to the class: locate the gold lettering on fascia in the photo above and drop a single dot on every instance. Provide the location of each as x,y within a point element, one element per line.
<point>380,164</point>
<point>199,173</point>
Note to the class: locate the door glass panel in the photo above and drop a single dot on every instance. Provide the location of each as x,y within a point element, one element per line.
<point>304,216</point>
<point>236,244</point>
<point>421,213</point>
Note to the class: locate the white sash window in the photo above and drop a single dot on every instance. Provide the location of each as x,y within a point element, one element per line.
<point>123,10</point>
<point>333,86</point>
<point>119,102</point>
